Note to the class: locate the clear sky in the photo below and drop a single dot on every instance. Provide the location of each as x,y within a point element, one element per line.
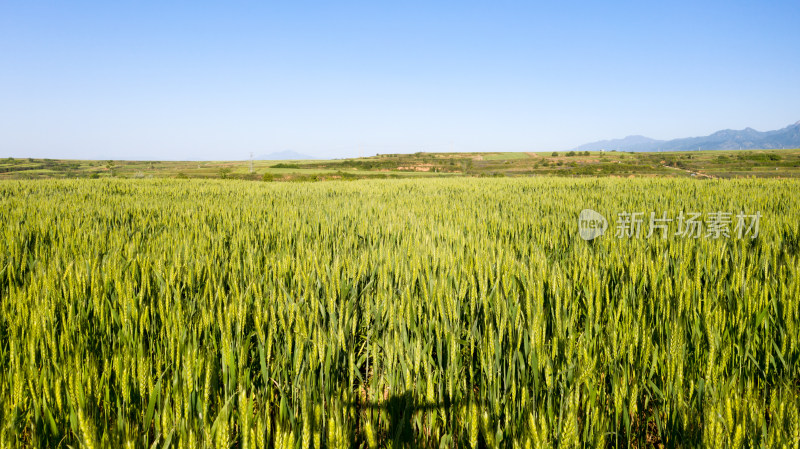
<point>202,80</point>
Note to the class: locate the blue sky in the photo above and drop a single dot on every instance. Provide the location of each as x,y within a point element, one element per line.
<point>202,80</point>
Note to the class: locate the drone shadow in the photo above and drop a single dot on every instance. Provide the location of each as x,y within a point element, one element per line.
<point>401,409</point>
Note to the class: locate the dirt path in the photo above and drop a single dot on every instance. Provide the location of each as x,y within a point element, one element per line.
<point>698,174</point>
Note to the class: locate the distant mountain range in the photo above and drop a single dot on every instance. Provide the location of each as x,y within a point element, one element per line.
<point>283,156</point>
<point>727,139</point>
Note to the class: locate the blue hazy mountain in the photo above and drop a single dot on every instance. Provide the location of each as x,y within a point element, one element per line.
<point>728,139</point>
<point>630,143</point>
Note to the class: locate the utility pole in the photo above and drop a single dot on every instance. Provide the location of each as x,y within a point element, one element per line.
<point>251,162</point>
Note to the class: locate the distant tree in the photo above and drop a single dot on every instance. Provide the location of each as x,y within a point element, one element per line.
<point>570,154</point>
<point>585,153</point>
<point>224,172</point>
<point>555,154</point>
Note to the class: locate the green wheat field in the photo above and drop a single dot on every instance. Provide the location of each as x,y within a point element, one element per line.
<point>431,312</point>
